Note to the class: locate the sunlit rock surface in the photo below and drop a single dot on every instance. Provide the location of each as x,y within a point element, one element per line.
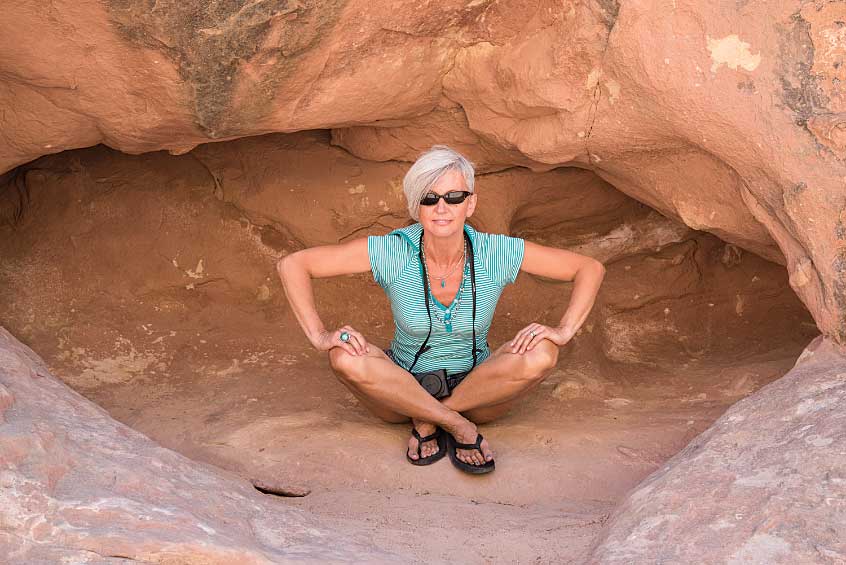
<point>765,484</point>
<point>76,486</point>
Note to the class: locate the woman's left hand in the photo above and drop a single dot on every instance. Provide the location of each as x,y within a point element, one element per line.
<point>527,338</point>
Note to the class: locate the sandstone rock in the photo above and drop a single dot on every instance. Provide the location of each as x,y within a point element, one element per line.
<point>723,103</point>
<point>764,484</point>
<point>534,92</point>
<point>6,401</point>
<point>727,117</point>
<point>78,487</point>
<point>405,140</point>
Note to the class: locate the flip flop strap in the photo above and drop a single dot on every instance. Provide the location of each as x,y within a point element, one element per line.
<point>422,440</point>
<point>477,445</point>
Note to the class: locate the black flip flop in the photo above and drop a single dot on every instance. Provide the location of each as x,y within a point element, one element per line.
<point>452,445</point>
<point>438,435</point>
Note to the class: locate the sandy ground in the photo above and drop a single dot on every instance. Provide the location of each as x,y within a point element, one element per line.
<point>150,296</point>
<point>565,455</point>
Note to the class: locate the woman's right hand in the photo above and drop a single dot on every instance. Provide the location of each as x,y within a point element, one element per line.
<point>356,345</point>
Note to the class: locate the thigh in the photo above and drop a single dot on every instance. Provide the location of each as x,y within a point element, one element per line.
<point>538,360</point>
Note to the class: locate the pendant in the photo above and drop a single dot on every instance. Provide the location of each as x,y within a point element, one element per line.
<point>443,283</point>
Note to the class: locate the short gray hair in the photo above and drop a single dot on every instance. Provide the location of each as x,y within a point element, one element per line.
<point>430,167</point>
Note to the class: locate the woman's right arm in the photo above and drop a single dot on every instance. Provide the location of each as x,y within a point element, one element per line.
<point>296,271</point>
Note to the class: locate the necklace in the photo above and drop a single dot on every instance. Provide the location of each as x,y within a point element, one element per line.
<point>449,274</point>
<point>446,317</point>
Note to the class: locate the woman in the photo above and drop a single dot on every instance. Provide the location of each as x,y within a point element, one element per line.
<point>443,279</point>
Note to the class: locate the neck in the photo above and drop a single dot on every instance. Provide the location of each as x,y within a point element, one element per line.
<point>444,251</point>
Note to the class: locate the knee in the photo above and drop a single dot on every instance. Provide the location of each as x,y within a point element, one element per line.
<point>540,361</point>
<point>348,367</point>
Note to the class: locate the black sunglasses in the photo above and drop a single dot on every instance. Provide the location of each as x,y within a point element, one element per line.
<point>451,197</point>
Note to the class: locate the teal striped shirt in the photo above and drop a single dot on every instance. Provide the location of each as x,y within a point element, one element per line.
<point>396,268</point>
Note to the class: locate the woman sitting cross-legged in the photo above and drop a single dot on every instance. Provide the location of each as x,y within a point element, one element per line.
<point>444,280</point>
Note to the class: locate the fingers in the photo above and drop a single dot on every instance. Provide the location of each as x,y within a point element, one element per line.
<point>540,334</point>
<point>356,345</point>
<point>345,346</point>
<point>528,337</point>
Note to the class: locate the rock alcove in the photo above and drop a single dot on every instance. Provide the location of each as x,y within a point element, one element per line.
<point>147,284</point>
<point>157,158</point>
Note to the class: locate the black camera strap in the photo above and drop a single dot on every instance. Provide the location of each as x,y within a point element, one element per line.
<point>425,347</point>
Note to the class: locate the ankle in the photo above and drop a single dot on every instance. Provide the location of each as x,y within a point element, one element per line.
<point>459,425</point>
<point>423,426</point>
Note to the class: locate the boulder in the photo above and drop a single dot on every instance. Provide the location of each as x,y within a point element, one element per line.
<point>766,483</point>
<point>77,486</point>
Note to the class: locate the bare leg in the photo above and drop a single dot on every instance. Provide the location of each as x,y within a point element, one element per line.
<point>503,377</point>
<point>423,428</point>
<point>379,411</point>
<point>490,389</point>
<point>393,394</point>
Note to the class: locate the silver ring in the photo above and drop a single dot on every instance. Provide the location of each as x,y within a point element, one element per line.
<point>345,337</point>
<point>532,333</point>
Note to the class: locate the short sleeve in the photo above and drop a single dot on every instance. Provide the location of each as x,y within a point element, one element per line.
<point>389,255</point>
<point>502,258</point>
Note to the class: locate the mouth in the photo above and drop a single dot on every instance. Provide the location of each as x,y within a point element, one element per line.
<point>441,222</point>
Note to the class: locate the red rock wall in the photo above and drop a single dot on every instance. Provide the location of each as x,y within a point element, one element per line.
<point>729,117</point>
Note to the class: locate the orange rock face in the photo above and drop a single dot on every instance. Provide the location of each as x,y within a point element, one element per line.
<point>730,118</point>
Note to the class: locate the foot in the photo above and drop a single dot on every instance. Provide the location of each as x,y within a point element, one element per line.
<point>466,433</point>
<point>429,447</point>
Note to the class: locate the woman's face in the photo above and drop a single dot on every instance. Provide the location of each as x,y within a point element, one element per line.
<point>442,219</point>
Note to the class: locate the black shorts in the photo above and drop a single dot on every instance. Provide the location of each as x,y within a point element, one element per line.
<point>452,380</point>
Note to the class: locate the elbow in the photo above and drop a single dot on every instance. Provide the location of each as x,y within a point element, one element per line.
<point>599,268</point>
<point>285,264</point>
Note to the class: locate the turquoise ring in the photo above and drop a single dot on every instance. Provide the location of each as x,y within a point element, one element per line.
<point>345,337</point>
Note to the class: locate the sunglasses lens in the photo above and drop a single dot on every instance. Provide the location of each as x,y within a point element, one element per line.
<point>455,197</point>
<point>452,197</point>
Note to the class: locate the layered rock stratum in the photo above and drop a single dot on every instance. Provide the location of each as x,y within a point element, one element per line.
<point>728,117</point>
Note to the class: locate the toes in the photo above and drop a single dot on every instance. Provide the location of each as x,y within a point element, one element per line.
<point>428,449</point>
<point>487,451</point>
<point>471,457</point>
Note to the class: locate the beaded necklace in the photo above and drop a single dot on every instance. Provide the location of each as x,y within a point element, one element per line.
<point>446,317</point>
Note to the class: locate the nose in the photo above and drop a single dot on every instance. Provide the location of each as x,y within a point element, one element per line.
<point>441,206</point>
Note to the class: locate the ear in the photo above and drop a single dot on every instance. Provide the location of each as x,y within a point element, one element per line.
<point>471,206</point>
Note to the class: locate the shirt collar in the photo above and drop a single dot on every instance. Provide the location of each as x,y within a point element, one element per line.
<point>411,234</point>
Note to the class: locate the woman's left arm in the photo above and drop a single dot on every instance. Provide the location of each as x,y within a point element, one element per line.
<point>586,274</point>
